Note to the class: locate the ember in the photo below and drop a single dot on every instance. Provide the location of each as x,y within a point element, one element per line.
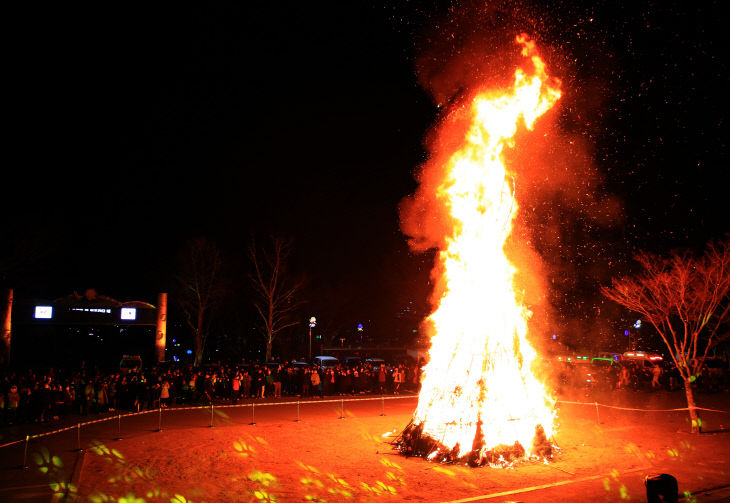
<point>480,402</point>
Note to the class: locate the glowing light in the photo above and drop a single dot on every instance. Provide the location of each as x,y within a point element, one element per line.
<point>43,312</point>
<point>478,391</point>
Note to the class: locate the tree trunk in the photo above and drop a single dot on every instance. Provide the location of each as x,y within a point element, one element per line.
<point>694,417</point>
<point>200,338</point>
<point>198,348</point>
<point>269,343</point>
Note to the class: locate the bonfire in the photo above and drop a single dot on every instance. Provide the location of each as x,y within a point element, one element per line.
<point>480,401</point>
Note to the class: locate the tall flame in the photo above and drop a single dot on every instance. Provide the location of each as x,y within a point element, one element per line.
<point>478,393</point>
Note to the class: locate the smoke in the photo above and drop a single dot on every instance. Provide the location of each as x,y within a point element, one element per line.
<point>565,215</point>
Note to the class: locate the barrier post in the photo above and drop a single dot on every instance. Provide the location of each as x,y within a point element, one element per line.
<point>342,409</point>
<point>253,414</point>
<point>78,437</point>
<point>119,427</point>
<point>598,419</point>
<point>382,399</point>
<point>159,420</point>
<point>297,419</point>
<point>211,415</point>
<point>24,466</point>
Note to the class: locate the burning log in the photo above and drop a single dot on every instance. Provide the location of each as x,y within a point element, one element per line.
<point>412,442</point>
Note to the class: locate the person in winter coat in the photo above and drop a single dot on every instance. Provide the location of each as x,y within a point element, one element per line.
<point>269,383</point>
<point>89,398</point>
<point>13,403</point>
<point>44,402</point>
<point>316,381</point>
<point>398,378</point>
<point>165,393</point>
<point>235,387</point>
<point>246,381</point>
<point>102,397</point>
<point>278,377</point>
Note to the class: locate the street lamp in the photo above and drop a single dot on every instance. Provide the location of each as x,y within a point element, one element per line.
<point>312,324</point>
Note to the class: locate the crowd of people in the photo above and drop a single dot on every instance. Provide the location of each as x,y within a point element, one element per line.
<point>639,375</point>
<point>47,396</point>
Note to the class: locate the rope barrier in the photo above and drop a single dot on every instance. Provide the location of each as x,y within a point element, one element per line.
<point>119,417</point>
<point>339,401</point>
<point>596,404</point>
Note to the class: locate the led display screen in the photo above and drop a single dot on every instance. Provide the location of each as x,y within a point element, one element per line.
<point>43,312</point>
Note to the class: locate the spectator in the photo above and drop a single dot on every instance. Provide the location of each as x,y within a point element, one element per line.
<point>102,397</point>
<point>305,381</point>
<point>45,401</point>
<point>208,388</point>
<point>316,381</point>
<point>68,399</point>
<point>382,379</point>
<point>345,382</point>
<point>259,383</point>
<point>235,387</point>
<point>192,387</point>
<point>328,382</point>
<point>89,399</point>
<point>246,384</point>
<point>164,393</point>
<point>112,393</point>
<point>277,378</point>
<point>13,404</point>
<point>656,373</point>
<point>269,384</point>
<point>398,379</point>
<point>624,377</point>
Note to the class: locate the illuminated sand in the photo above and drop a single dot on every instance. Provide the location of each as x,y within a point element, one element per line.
<point>349,460</point>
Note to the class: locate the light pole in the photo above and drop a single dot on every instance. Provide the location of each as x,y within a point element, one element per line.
<point>312,324</point>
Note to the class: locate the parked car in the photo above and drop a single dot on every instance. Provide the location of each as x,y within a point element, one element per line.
<point>325,361</point>
<point>352,361</point>
<point>603,362</point>
<point>298,365</point>
<point>642,356</point>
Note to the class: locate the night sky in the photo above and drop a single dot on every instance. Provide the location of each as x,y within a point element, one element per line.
<point>135,128</point>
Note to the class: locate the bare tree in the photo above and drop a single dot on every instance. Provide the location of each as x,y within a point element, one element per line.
<point>685,298</point>
<point>275,289</point>
<point>201,290</point>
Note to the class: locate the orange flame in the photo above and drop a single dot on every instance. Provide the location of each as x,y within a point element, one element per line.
<point>478,391</point>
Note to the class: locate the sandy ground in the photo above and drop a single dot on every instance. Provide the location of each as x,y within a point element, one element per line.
<point>603,455</point>
<point>340,451</point>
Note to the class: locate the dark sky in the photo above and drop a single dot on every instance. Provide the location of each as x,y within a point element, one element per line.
<point>135,128</point>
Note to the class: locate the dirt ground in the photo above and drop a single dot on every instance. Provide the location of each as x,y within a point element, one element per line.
<point>603,455</point>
